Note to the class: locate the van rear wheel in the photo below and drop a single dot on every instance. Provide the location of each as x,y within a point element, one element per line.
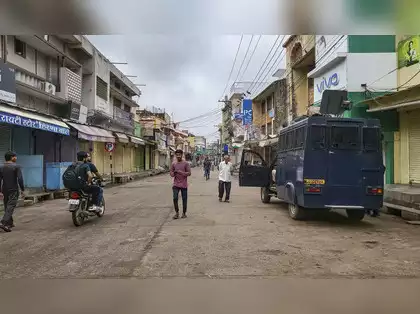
<point>355,215</point>
<point>265,196</point>
<point>296,212</point>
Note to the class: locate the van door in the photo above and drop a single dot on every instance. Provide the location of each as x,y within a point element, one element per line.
<point>253,171</point>
<point>345,161</point>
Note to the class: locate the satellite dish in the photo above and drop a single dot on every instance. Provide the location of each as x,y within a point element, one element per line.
<point>334,102</point>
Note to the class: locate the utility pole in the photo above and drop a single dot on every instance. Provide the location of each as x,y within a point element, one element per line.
<point>227,128</point>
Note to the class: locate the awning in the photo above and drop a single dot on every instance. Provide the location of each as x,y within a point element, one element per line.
<point>269,142</point>
<point>15,116</point>
<point>91,133</point>
<point>122,138</point>
<point>137,140</point>
<point>172,149</point>
<point>396,107</point>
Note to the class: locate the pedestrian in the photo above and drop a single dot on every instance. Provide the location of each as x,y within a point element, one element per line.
<point>225,178</point>
<point>180,171</point>
<point>207,167</point>
<point>11,180</point>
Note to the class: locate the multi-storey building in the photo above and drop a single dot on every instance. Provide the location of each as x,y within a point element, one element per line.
<point>58,95</point>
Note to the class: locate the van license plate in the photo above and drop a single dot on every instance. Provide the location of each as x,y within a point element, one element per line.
<point>314,181</point>
<point>74,202</point>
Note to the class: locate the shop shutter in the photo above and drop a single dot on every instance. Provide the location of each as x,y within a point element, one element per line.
<point>414,146</point>
<point>5,141</point>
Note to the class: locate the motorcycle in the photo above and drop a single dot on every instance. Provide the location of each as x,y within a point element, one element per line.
<point>79,203</point>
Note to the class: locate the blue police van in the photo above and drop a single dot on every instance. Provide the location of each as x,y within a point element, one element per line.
<point>323,162</point>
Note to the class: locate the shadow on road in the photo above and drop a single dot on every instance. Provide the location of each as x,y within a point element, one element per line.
<point>326,218</point>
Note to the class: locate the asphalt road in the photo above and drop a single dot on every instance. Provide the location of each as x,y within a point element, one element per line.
<point>244,241</point>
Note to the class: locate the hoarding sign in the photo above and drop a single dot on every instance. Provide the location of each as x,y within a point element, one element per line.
<point>247,111</point>
<point>409,51</point>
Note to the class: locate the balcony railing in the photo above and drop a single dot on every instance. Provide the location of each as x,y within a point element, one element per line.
<point>123,117</point>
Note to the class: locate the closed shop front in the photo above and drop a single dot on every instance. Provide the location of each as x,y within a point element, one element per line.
<point>5,140</point>
<point>93,140</point>
<point>147,158</point>
<point>22,140</point>
<point>127,163</point>
<point>414,146</point>
<point>118,158</point>
<point>139,158</point>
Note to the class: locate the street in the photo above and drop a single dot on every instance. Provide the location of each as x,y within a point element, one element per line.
<point>138,238</point>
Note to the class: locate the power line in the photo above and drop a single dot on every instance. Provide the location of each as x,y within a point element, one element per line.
<point>276,64</point>
<point>278,47</point>
<point>243,61</point>
<point>269,53</point>
<point>233,66</point>
<point>252,55</point>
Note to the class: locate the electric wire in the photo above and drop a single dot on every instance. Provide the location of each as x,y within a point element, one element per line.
<point>233,67</point>
<point>243,60</point>
<point>268,55</point>
<point>250,59</point>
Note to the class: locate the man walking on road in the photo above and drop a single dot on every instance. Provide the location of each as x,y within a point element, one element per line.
<point>180,171</point>
<point>225,178</point>
<point>207,168</point>
<point>10,181</point>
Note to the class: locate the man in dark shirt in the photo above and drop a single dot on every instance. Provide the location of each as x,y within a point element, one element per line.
<point>10,181</point>
<point>85,173</point>
<point>93,168</point>
<point>207,168</point>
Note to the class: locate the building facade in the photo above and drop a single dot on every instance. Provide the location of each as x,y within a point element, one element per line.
<point>60,95</point>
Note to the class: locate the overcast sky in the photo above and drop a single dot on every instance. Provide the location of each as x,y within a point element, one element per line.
<point>186,75</point>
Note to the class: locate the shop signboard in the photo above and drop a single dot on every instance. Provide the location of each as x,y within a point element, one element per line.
<point>409,51</point>
<point>247,111</point>
<point>9,118</point>
<point>7,83</point>
<point>334,79</point>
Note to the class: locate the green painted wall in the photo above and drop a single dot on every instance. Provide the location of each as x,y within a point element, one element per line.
<point>137,129</point>
<point>371,43</point>
<point>367,10</point>
<point>389,119</point>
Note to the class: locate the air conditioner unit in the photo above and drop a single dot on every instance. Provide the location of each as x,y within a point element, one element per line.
<point>49,88</point>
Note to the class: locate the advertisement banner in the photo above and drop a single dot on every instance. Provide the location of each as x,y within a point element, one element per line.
<point>247,111</point>
<point>408,51</point>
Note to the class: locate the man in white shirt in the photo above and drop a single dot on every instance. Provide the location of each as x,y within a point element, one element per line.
<point>225,178</point>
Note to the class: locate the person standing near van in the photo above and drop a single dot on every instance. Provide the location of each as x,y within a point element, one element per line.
<point>180,171</point>
<point>225,178</point>
<point>11,180</point>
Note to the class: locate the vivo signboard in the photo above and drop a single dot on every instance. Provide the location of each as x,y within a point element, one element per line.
<point>335,78</point>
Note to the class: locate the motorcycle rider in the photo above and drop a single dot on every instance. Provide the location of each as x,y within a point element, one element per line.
<point>93,168</point>
<point>86,175</point>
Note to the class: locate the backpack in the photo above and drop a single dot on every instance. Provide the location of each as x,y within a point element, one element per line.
<point>72,179</point>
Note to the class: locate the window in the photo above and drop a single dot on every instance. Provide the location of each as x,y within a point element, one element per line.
<point>127,108</point>
<point>20,48</point>
<point>371,139</point>
<point>289,140</point>
<point>117,103</point>
<point>281,143</point>
<point>117,85</point>
<point>300,137</point>
<point>101,88</point>
<point>270,128</point>
<point>345,137</point>
<point>317,137</point>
